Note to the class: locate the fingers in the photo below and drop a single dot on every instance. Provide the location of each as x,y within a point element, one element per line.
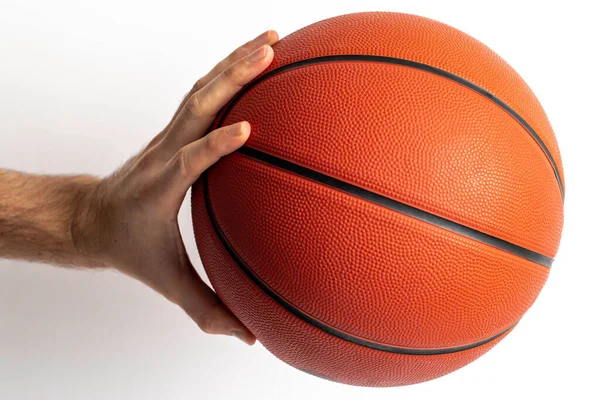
<point>269,37</point>
<point>193,159</point>
<point>207,310</point>
<point>201,108</point>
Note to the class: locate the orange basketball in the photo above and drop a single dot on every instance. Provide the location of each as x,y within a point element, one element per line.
<point>397,207</point>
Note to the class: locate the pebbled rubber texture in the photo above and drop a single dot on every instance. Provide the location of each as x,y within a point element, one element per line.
<point>242,264</point>
<point>362,269</point>
<point>397,206</point>
<point>415,137</point>
<point>422,40</point>
<point>419,66</point>
<point>302,345</point>
<point>370,272</point>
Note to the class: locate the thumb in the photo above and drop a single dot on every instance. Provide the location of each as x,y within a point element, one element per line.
<point>208,311</point>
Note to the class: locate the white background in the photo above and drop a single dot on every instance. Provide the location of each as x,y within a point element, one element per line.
<point>84,85</point>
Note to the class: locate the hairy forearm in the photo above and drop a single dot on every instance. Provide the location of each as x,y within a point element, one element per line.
<point>36,217</point>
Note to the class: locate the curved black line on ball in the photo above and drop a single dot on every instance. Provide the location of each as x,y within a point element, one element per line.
<point>307,318</point>
<point>398,206</point>
<point>411,64</point>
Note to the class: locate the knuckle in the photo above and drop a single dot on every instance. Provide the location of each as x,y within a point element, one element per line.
<point>196,105</point>
<point>206,323</point>
<point>198,85</point>
<point>208,319</point>
<point>146,159</point>
<point>212,144</point>
<point>235,73</point>
<point>240,52</point>
<point>182,162</point>
<point>154,142</point>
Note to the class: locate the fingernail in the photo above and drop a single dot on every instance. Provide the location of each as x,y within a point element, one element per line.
<point>237,129</point>
<point>258,54</point>
<point>239,335</point>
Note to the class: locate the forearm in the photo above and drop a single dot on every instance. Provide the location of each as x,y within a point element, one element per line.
<point>36,217</point>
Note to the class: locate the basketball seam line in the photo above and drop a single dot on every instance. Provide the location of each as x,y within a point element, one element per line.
<point>313,321</point>
<point>398,206</point>
<point>416,65</point>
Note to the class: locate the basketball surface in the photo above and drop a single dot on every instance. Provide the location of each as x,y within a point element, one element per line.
<point>397,207</point>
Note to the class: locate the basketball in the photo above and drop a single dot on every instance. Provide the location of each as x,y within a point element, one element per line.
<point>397,207</point>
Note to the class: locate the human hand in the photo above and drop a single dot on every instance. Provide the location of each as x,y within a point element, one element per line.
<point>129,220</point>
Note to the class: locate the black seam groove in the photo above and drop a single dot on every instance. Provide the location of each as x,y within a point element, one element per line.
<point>316,323</point>
<point>398,206</point>
<point>412,64</point>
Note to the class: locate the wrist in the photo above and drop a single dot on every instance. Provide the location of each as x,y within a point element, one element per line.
<point>88,225</point>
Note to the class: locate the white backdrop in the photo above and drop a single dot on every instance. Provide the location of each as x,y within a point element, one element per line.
<point>83,87</point>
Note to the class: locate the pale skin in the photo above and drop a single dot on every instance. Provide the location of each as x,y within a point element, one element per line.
<point>128,221</point>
